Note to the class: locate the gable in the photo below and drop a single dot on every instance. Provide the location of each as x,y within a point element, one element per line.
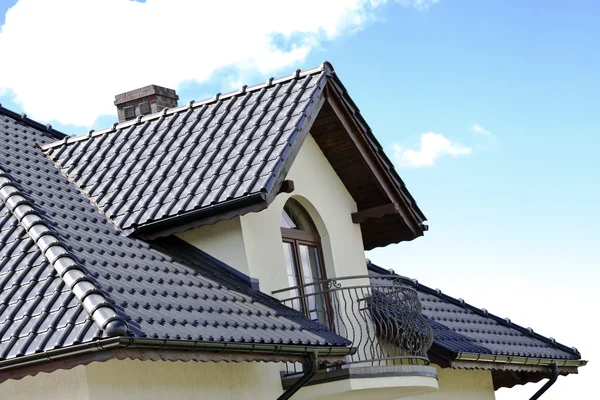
<point>229,155</point>
<point>386,210</point>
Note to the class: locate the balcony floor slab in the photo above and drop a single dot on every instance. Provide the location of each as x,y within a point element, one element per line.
<point>380,382</point>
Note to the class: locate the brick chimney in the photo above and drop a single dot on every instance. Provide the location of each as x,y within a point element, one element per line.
<point>147,100</point>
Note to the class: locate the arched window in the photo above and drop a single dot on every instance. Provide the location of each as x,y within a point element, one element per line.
<point>304,261</point>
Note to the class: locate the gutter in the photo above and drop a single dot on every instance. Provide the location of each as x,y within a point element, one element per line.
<point>234,347</point>
<point>202,216</point>
<point>550,382</point>
<point>61,353</point>
<point>518,360</point>
<point>114,343</point>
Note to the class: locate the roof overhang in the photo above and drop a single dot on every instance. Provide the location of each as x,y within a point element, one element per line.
<point>387,211</point>
<point>170,198</point>
<point>160,349</point>
<point>517,360</point>
<point>507,371</point>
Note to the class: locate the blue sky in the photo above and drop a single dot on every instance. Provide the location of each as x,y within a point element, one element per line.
<point>513,224</point>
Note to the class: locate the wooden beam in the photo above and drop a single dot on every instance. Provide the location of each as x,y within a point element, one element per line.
<point>383,180</point>
<point>287,186</point>
<point>376,212</point>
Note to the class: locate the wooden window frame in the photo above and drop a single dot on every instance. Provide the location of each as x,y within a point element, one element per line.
<point>297,238</point>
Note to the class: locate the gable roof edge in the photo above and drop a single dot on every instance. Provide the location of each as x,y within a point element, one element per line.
<point>302,130</point>
<point>73,275</point>
<point>232,187</point>
<point>250,203</point>
<point>407,200</point>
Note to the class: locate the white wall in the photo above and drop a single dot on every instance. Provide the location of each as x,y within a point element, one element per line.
<point>252,243</point>
<point>58,385</point>
<point>461,384</point>
<point>322,193</point>
<point>134,379</point>
<point>222,240</point>
<point>148,380</point>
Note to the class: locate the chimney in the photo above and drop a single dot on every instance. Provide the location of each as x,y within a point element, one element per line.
<point>147,100</point>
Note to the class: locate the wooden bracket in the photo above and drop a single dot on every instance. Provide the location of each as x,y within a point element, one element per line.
<point>376,212</point>
<point>287,186</point>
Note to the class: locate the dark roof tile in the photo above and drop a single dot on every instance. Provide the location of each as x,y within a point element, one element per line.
<point>462,328</point>
<point>158,295</point>
<point>192,157</point>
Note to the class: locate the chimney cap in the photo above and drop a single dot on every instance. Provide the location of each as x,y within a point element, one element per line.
<point>144,92</point>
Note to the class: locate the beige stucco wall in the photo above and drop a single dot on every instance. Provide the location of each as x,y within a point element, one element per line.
<point>59,385</point>
<point>133,380</point>
<point>252,243</point>
<point>325,197</point>
<point>222,240</point>
<point>147,380</point>
<point>460,384</point>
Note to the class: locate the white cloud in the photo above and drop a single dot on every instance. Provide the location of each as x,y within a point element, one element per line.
<point>66,59</point>
<point>433,145</point>
<point>480,129</point>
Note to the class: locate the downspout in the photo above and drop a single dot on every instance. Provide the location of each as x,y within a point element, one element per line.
<point>553,378</point>
<point>310,366</point>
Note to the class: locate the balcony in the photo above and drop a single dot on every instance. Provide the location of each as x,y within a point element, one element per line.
<point>382,318</point>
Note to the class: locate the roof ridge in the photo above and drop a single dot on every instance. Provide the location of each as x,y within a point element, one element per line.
<point>481,311</point>
<point>64,263</point>
<point>34,124</point>
<point>325,68</point>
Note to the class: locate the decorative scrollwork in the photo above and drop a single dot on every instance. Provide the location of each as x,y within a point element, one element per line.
<point>379,314</point>
<point>331,283</point>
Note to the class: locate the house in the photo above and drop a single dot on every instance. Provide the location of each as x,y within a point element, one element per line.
<point>217,250</point>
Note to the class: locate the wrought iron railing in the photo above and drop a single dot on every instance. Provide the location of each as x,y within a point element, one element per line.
<point>379,314</point>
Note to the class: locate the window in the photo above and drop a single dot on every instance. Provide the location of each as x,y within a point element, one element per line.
<point>304,262</point>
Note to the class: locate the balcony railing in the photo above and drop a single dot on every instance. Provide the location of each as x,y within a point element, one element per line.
<point>379,314</point>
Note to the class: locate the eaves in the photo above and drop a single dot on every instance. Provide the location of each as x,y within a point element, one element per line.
<point>159,349</point>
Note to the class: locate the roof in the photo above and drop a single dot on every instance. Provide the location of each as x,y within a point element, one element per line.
<point>69,276</point>
<point>229,155</point>
<point>462,328</point>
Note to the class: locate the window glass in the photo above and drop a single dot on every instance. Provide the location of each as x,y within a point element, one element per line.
<point>302,249</point>
<point>295,217</point>
<point>311,272</point>
<point>290,264</point>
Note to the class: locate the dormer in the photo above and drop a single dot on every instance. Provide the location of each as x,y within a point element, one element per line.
<point>228,156</point>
